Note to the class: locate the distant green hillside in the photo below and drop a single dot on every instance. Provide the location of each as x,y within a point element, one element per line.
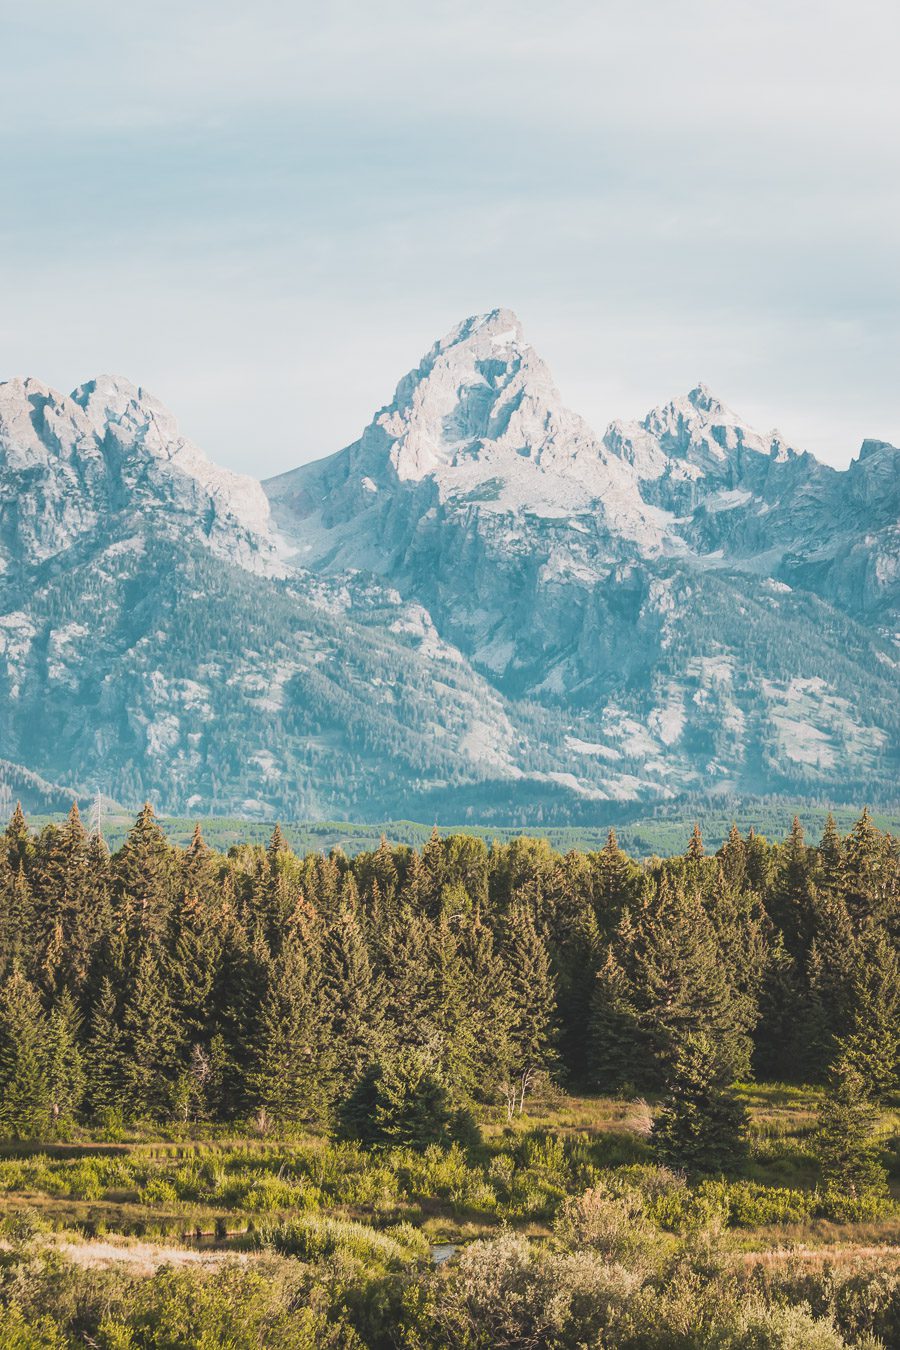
<point>662,834</point>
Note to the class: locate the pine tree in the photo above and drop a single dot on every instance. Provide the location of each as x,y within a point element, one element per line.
<point>153,1042</point>
<point>353,995</point>
<point>64,1065</point>
<point>293,1069</point>
<point>695,850</point>
<point>24,1094</point>
<point>616,1044</point>
<point>759,862</point>
<point>144,880</point>
<point>612,882</point>
<point>403,1101</point>
<point>733,858</point>
<point>830,861</point>
<point>791,904</point>
<point>18,840</point>
<point>532,1003</point>
<point>668,976</point>
<point>17,919</point>
<point>241,977</point>
<point>63,892</point>
<point>434,867</point>
<point>702,1124</point>
<point>872,1045</point>
<point>868,872</point>
<point>105,1055</point>
<point>844,1145</point>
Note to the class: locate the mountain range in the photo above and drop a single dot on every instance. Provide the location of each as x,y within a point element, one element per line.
<point>481,609</point>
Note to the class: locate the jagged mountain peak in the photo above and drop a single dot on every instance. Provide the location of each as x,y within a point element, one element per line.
<point>500,327</point>
<point>107,456</point>
<point>478,426</point>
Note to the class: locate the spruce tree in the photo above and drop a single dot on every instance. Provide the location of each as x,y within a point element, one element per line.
<point>667,976</point>
<point>64,1064</point>
<point>353,997</point>
<point>872,1044</point>
<point>105,1055</point>
<point>17,919</point>
<point>830,858</point>
<point>532,1003</point>
<point>144,880</point>
<point>65,902</point>
<point>153,1042</point>
<point>18,840</point>
<point>791,905</point>
<point>293,1070</point>
<point>403,1101</point>
<point>618,1052</point>
<point>702,1125</point>
<point>733,858</point>
<point>844,1145</point>
<point>24,1093</point>
<point>613,883</point>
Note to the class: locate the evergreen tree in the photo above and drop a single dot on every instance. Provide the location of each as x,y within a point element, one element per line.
<point>18,841</point>
<point>64,1065</point>
<point>831,858</point>
<point>667,977</point>
<point>24,1093</point>
<point>17,919</point>
<point>152,1042</point>
<point>242,977</point>
<point>617,1047</point>
<point>733,858</point>
<point>613,883</point>
<point>872,1045</point>
<point>702,1124</point>
<point>144,880</point>
<point>105,1077</point>
<point>791,905</point>
<point>844,1146</point>
<point>532,1004</point>
<point>402,1101</point>
<point>353,996</point>
<point>695,850</point>
<point>64,896</point>
<point>292,1069</point>
<point>870,882</point>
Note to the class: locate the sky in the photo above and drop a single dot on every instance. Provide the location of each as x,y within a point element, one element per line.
<point>266,214</point>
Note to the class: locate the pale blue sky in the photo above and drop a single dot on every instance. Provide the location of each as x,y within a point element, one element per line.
<point>267,213</point>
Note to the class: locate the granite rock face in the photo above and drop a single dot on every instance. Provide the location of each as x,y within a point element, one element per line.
<point>481,606</point>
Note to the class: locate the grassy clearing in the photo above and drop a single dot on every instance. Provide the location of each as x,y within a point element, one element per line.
<point>218,1190</point>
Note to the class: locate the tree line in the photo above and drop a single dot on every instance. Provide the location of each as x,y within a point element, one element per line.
<point>391,994</point>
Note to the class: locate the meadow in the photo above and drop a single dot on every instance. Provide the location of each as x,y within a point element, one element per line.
<point>179,1236</point>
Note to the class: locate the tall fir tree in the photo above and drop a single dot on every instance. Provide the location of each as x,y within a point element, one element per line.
<point>144,881</point>
<point>353,997</point>
<point>105,1056</point>
<point>24,1094</point>
<point>153,1041</point>
<point>64,1064</point>
<point>701,1127</point>
<point>844,1143</point>
<point>293,1072</point>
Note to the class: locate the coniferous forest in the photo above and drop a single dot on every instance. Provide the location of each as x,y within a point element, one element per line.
<point>625,1062</point>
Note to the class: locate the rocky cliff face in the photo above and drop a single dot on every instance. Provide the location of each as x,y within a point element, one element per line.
<point>479,606</point>
<point>107,459</point>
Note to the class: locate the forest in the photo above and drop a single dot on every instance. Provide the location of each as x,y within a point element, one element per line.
<point>592,1072</point>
